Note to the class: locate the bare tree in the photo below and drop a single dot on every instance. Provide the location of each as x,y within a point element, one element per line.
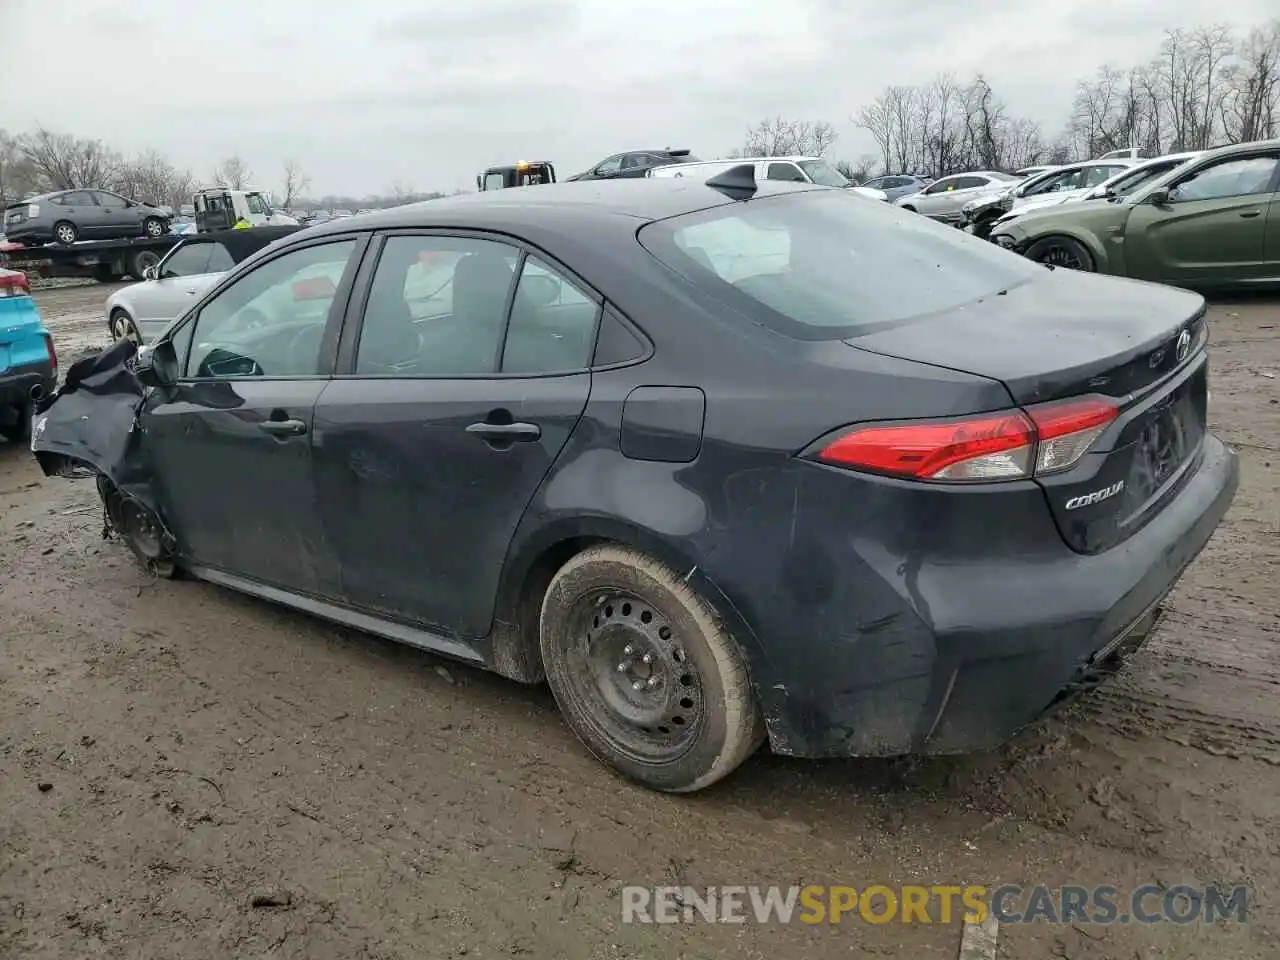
<point>64,162</point>
<point>295,182</point>
<point>17,178</point>
<point>858,170</point>
<point>779,137</point>
<point>1251,99</point>
<point>877,119</point>
<point>233,172</point>
<point>401,192</point>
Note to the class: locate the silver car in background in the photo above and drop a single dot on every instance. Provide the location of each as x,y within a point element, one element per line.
<point>945,197</point>
<point>67,216</point>
<point>142,311</point>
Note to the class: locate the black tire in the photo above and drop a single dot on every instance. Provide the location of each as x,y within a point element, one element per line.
<point>123,327</point>
<point>140,530</point>
<point>1062,252</point>
<point>65,232</point>
<point>19,432</point>
<point>140,260</point>
<point>693,719</point>
<point>153,227</point>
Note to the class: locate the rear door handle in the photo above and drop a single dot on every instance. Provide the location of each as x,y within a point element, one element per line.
<point>506,432</point>
<point>1250,214</point>
<point>283,428</point>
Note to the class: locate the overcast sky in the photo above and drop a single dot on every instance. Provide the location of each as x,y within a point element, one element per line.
<point>428,92</point>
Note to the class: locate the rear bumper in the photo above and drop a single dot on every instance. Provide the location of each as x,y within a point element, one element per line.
<point>17,382</point>
<point>29,233</point>
<point>920,656</point>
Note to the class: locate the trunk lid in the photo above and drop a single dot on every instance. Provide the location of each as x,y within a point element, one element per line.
<point>1071,335</point>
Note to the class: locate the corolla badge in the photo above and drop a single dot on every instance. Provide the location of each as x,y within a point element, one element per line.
<point>1097,496</point>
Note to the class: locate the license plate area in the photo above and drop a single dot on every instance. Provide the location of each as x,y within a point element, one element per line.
<point>1171,435</point>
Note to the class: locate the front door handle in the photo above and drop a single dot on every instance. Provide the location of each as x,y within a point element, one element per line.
<point>506,432</point>
<point>284,428</point>
<point>1250,214</point>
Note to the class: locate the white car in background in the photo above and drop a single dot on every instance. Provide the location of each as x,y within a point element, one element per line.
<point>142,311</point>
<point>1120,184</point>
<point>944,199</point>
<point>795,169</point>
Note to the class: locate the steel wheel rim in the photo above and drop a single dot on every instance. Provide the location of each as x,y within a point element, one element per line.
<point>1060,256</point>
<point>631,670</point>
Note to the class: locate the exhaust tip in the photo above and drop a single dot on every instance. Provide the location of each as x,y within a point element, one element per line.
<point>37,392</point>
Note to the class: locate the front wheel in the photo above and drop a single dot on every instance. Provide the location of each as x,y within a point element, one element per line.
<point>645,673</point>
<point>153,227</point>
<point>123,328</point>
<point>1061,252</point>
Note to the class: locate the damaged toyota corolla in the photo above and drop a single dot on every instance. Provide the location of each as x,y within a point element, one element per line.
<point>721,462</point>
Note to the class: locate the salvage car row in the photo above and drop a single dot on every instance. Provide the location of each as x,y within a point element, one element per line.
<point>666,443</point>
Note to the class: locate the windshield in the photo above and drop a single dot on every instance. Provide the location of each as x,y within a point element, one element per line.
<point>827,265</point>
<point>823,173</point>
<point>1126,183</point>
<point>494,181</point>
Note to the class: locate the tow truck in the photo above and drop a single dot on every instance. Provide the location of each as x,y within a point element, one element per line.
<point>216,208</point>
<point>526,173</point>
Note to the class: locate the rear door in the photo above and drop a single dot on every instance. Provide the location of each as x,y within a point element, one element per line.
<point>444,420</point>
<point>1212,230</point>
<point>232,441</point>
<point>81,207</point>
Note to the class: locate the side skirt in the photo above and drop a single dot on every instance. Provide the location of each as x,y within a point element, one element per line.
<point>388,629</point>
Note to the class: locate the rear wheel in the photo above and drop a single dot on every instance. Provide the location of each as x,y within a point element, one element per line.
<point>645,673</point>
<point>140,260</point>
<point>64,231</point>
<point>1061,252</point>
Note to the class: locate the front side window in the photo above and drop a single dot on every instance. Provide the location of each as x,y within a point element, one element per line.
<point>436,308</point>
<point>823,173</point>
<point>1229,178</point>
<point>255,203</point>
<point>271,321</point>
<point>612,165</point>
<point>188,260</point>
<point>827,265</point>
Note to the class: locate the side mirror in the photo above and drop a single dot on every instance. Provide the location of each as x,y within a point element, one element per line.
<point>1159,197</point>
<point>158,366</point>
<point>150,273</point>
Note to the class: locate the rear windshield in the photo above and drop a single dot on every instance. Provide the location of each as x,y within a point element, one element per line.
<point>828,264</point>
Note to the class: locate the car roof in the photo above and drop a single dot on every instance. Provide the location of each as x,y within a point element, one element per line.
<point>241,243</point>
<point>534,208</point>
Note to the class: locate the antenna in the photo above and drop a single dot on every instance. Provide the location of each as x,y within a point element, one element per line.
<point>736,183</point>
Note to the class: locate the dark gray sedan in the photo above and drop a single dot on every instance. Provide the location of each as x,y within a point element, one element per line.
<point>70,215</point>
<point>720,461</point>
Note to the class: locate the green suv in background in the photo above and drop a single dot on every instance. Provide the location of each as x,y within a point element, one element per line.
<point>1213,223</point>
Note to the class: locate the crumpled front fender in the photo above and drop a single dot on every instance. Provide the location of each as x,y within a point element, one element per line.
<point>92,421</point>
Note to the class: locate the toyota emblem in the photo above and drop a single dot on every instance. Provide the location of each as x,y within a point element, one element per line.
<point>1184,345</point>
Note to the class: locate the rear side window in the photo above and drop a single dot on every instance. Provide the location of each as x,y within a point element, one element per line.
<point>827,265</point>
<point>439,306</point>
<point>220,259</point>
<point>785,171</point>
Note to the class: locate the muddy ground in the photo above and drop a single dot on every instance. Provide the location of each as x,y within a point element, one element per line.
<point>172,753</point>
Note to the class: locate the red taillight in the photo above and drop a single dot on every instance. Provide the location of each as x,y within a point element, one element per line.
<point>1064,431</point>
<point>14,284</point>
<point>1009,445</point>
<point>53,355</point>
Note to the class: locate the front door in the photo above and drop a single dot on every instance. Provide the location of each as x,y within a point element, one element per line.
<point>1212,228</point>
<point>119,220</point>
<point>232,441</point>
<point>439,433</point>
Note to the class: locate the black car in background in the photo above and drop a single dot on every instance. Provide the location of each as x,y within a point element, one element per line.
<point>633,164</point>
<point>719,461</point>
